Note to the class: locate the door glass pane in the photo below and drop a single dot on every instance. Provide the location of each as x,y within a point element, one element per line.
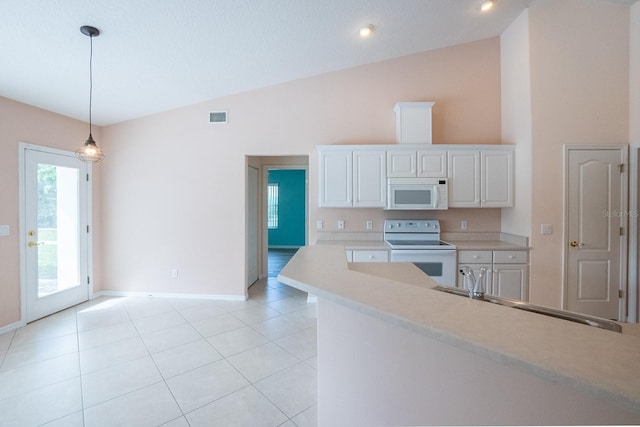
<point>58,225</point>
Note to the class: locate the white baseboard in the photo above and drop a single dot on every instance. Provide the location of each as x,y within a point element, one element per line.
<point>11,326</point>
<point>170,295</point>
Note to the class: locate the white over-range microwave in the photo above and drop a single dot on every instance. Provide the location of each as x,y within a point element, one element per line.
<point>417,194</point>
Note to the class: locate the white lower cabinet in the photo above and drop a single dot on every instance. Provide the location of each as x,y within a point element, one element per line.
<point>367,256</point>
<point>507,275</point>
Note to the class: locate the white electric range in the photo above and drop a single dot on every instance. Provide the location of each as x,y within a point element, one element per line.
<point>418,241</point>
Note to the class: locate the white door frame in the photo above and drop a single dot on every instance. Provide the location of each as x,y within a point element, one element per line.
<point>22,150</point>
<point>624,195</point>
<point>634,208</point>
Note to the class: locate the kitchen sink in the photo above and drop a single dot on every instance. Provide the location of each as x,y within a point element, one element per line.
<point>584,319</point>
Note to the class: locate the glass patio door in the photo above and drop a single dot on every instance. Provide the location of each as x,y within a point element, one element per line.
<point>56,227</point>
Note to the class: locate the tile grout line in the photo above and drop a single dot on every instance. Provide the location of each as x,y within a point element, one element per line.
<point>79,366</point>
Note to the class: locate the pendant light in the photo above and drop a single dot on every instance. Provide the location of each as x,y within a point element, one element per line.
<point>89,152</point>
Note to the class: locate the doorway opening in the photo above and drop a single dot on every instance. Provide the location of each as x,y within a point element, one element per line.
<point>286,216</point>
<point>281,219</point>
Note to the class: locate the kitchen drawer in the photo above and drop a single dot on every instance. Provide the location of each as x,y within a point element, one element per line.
<point>510,257</point>
<point>474,257</point>
<point>370,256</point>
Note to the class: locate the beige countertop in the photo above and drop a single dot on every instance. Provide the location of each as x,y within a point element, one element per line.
<point>369,245</point>
<point>593,360</point>
<point>485,245</point>
<point>460,244</point>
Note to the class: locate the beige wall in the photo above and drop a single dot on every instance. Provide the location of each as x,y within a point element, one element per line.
<point>579,87</point>
<point>516,119</point>
<point>23,123</point>
<point>634,75</point>
<point>174,193</point>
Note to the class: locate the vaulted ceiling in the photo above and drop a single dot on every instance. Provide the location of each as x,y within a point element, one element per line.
<point>156,55</point>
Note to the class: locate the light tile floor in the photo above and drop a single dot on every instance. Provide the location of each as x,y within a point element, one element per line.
<point>145,361</point>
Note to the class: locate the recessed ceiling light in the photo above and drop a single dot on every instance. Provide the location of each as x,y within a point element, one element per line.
<point>487,5</point>
<point>366,30</point>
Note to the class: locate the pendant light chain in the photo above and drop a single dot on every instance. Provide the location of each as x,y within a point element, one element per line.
<point>90,152</point>
<point>90,79</point>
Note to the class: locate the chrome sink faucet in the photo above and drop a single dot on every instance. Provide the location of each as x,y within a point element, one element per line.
<point>475,285</point>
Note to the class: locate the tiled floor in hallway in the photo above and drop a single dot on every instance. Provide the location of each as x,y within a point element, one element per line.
<point>141,361</point>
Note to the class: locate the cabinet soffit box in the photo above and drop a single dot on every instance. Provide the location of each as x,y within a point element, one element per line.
<point>413,122</point>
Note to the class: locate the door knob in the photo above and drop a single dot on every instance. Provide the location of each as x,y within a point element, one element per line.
<point>32,244</point>
<point>575,244</point>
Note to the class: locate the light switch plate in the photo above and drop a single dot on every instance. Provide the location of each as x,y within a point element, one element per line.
<point>4,230</point>
<point>340,224</point>
<point>546,228</point>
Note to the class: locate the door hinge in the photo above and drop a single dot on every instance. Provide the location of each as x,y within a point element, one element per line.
<point>88,280</point>
<point>620,293</point>
<point>621,167</point>
<point>87,177</point>
<point>87,229</point>
<point>621,231</point>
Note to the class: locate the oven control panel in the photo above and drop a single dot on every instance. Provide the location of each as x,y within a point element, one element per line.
<point>412,226</point>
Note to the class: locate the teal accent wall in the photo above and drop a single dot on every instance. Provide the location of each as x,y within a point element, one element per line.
<point>291,208</point>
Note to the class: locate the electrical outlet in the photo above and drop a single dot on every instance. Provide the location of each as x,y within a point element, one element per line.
<point>174,273</point>
<point>369,225</point>
<point>319,225</point>
<point>463,225</point>
<point>341,224</point>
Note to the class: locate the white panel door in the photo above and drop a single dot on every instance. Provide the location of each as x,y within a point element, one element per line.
<point>56,194</point>
<point>595,221</point>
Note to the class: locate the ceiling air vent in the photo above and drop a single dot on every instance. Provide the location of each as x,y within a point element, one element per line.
<point>218,117</point>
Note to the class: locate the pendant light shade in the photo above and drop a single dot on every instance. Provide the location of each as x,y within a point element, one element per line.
<point>89,152</point>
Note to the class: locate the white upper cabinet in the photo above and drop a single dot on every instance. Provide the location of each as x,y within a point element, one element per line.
<point>352,178</point>
<point>401,163</point>
<point>369,179</point>
<point>496,184</point>
<point>432,163</point>
<point>421,163</point>
<point>482,178</point>
<point>336,179</point>
<point>464,179</point>
<point>355,175</point>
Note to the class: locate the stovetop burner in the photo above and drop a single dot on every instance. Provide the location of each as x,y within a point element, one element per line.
<point>414,234</point>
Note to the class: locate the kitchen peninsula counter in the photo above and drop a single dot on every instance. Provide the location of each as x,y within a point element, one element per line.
<point>425,355</point>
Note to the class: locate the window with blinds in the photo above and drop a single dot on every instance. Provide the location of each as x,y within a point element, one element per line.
<point>272,205</point>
